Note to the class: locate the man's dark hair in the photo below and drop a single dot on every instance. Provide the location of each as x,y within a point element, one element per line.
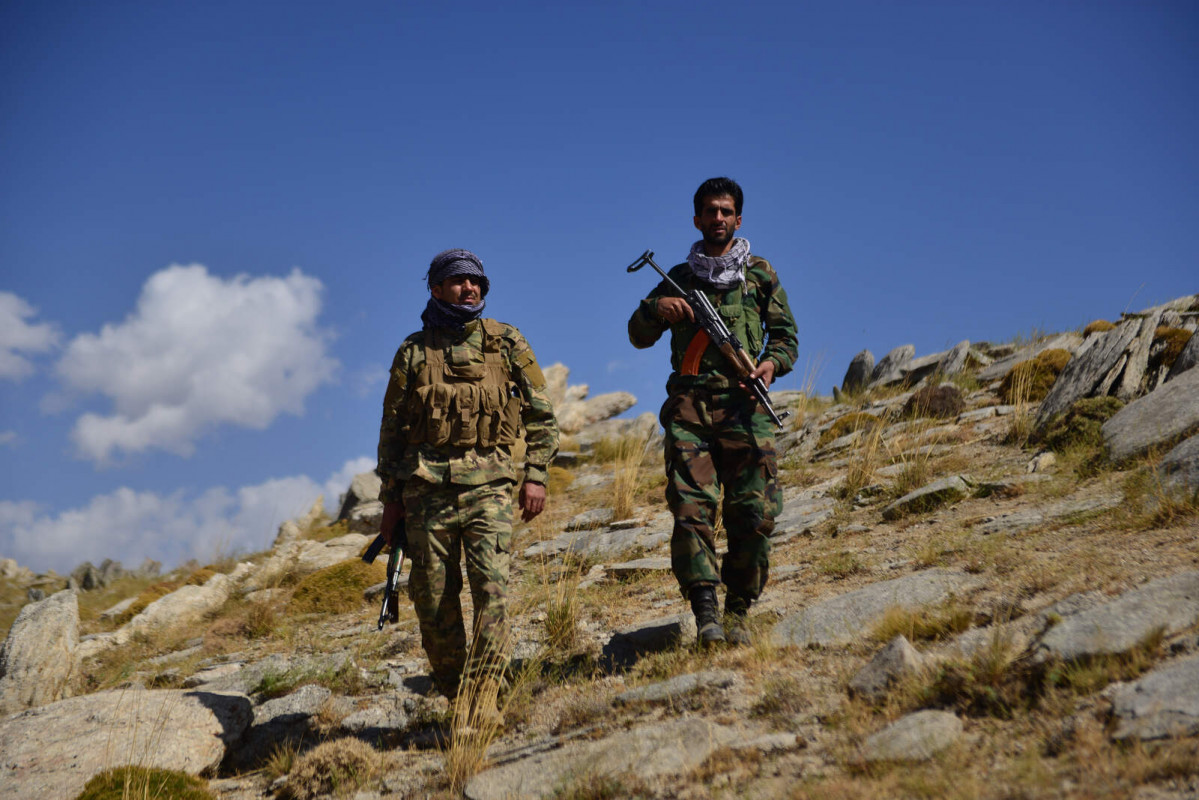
<point>716,187</point>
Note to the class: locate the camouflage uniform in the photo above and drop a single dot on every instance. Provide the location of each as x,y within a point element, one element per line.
<point>718,435</point>
<point>459,498</point>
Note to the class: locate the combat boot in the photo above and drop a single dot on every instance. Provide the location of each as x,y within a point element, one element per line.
<point>703,605</point>
<point>736,620</point>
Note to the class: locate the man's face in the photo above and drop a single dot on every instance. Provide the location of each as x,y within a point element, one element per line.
<point>718,220</point>
<point>459,290</point>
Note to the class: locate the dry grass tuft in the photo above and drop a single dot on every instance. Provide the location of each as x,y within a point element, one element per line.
<point>1030,381</point>
<point>1098,326</point>
<point>336,589</point>
<point>849,423</point>
<point>336,767</point>
<point>944,402</point>
<point>926,623</point>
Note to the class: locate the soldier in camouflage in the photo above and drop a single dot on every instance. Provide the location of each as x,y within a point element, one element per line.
<point>717,434</point>
<point>461,389</point>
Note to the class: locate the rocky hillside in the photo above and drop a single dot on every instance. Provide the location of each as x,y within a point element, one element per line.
<point>984,583</point>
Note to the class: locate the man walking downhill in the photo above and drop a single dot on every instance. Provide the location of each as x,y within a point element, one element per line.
<point>717,434</point>
<point>461,388</point>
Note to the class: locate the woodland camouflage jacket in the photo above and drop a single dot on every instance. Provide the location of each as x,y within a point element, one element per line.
<point>758,313</point>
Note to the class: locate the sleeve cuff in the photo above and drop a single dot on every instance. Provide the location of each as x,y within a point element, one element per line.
<point>537,473</point>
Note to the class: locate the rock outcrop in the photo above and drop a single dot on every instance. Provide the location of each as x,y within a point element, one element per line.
<point>38,659</point>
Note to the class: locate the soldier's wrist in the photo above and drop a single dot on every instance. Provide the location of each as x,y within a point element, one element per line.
<point>536,473</point>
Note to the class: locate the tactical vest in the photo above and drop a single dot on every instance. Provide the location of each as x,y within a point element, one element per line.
<point>464,403</point>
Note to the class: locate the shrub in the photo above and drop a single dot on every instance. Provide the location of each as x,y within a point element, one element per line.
<point>335,767</point>
<point>121,783</point>
<point>1079,427</point>
<point>1098,326</point>
<point>1167,345</point>
<point>944,401</point>
<point>1030,381</point>
<point>848,423</point>
<point>336,589</point>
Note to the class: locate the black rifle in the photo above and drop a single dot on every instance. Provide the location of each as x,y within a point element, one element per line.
<point>395,562</point>
<point>719,334</point>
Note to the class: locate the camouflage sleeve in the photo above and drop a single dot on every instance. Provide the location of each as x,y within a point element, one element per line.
<point>645,326</point>
<point>393,440</point>
<point>536,410</point>
<point>782,336</point>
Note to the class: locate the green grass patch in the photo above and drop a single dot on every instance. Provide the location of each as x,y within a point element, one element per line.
<point>337,589</point>
<point>144,783</point>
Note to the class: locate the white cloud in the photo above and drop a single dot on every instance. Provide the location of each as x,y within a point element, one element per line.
<point>199,351</point>
<point>130,526</point>
<point>18,336</point>
<point>8,438</point>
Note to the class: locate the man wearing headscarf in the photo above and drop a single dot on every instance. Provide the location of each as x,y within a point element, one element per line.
<point>460,390</point>
<point>717,434</point>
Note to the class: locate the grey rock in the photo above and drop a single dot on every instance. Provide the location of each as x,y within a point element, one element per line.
<point>800,514</point>
<point>643,426</point>
<point>1016,521</point>
<point>87,576</point>
<point>364,488</point>
<point>956,359</point>
<point>1179,470</point>
<point>591,519</point>
<point>627,569</point>
<point>1187,359</point>
<point>648,753</point>
<point>627,644</point>
<point>365,517</point>
<point>39,657</point>
<point>1167,604</point>
<point>1168,412</point>
<point>847,617</point>
<point>677,688</point>
<point>1065,341</point>
<point>934,495</point>
<point>381,721</point>
<point>857,375</point>
<point>891,368</point>
<point>1132,379</point>
<point>1092,362</point>
<point>34,594</point>
<point>575,414</point>
<point>49,752</point>
<point>895,661</point>
<point>1162,704</point>
<point>282,721</point>
<point>209,675</point>
<point>916,737</point>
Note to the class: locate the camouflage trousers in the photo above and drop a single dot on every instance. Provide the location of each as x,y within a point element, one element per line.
<point>720,439</point>
<point>445,520</point>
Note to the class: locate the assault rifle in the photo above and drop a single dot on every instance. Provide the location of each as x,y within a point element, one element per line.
<point>395,562</point>
<point>712,329</point>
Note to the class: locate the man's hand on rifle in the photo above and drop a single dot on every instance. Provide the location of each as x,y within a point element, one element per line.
<point>674,309</point>
<point>765,371</point>
<point>392,513</point>
<point>532,500</point>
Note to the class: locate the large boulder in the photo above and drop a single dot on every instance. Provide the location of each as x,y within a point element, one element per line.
<point>364,488</point>
<point>575,415</point>
<point>1188,358</point>
<point>1160,417</point>
<point>891,369</point>
<point>38,659</point>
<point>857,376</point>
<point>52,751</point>
<point>1096,365</point>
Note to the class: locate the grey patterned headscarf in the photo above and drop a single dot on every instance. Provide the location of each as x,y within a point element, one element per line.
<point>447,264</point>
<point>723,272</point>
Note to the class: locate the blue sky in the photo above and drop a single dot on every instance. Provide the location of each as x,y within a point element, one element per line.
<point>214,217</point>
